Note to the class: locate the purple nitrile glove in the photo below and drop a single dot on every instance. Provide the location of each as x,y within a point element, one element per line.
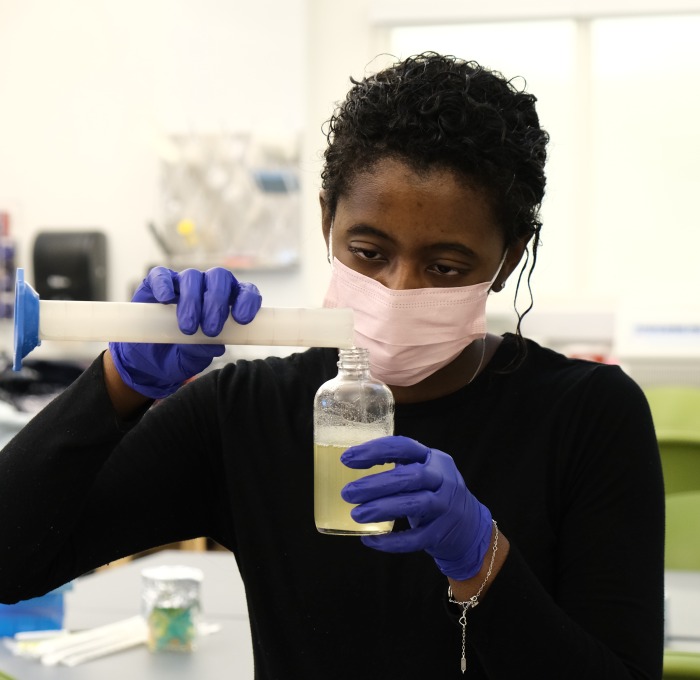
<point>203,299</point>
<point>446,520</point>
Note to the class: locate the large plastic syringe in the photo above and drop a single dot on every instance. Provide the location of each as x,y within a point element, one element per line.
<point>37,320</point>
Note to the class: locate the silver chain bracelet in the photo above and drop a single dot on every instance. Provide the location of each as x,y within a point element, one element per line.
<point>472,601</point>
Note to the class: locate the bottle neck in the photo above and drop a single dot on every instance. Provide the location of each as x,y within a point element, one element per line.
<point>354,362</point>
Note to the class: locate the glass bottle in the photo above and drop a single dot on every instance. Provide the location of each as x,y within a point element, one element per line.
<point>349,409</point>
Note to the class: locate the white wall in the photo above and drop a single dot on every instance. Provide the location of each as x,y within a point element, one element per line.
<point>88,86</point>
<point>341,43</point>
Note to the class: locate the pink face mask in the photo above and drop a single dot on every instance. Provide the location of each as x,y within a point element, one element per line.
<point>410,334</point>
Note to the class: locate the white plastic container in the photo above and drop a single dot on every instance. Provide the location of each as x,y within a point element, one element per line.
<point>150,322</point>
<point>37,320</point>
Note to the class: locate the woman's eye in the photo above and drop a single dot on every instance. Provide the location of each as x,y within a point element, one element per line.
<point>364,253</point>
<point>446,270</point>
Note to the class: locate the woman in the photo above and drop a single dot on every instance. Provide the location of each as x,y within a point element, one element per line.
<point>528,484</point>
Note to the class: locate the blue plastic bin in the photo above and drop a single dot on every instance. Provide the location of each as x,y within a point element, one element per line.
<point>39,613</point>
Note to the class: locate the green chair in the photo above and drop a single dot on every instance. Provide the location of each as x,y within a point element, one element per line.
<point>683,531</point>
<point>682,552</point>
<point>676,413</point>
<point>681,665</point>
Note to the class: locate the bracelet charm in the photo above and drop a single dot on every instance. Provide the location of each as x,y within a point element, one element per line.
<point>473,601</point>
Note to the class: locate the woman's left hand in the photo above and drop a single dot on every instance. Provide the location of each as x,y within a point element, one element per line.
<point>446,520</point>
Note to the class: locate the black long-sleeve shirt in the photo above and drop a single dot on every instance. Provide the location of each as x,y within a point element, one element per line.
<point>563,453</point>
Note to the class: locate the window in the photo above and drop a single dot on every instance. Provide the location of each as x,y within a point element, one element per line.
<point>620,99</point>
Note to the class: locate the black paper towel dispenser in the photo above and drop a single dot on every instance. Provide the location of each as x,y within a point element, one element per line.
<point>70,265</point>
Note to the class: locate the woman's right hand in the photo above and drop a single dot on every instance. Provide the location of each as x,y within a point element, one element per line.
<point>204,299</point>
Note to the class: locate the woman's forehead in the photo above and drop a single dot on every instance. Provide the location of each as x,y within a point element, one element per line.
<point>437,199</point>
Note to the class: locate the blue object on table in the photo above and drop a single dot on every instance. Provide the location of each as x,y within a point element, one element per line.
<point>39,613</point>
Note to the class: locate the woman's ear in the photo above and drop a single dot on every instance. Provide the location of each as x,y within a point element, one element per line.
<point>326,217</point>
<point>513,257</point>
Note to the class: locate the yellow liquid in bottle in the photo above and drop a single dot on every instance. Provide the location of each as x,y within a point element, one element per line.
<point>331,511</point>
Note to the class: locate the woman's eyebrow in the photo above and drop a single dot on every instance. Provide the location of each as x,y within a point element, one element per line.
<point>362,229</point>
<point>452,245</point>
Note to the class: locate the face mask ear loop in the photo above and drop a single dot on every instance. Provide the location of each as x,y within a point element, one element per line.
<point>498,271</point>
<point>330,245</point>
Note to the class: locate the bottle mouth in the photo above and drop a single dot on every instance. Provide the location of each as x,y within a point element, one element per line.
<point>353,358</point>
<point>353,352</point>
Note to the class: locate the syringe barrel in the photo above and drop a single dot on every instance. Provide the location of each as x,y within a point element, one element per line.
<point>151,322</point>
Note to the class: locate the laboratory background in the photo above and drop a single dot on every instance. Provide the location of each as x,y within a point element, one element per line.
<point>190,133</point>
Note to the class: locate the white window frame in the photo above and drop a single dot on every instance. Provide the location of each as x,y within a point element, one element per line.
<point>388,13</point>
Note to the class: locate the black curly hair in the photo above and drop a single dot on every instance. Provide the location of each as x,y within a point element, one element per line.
<point>433,110</point>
